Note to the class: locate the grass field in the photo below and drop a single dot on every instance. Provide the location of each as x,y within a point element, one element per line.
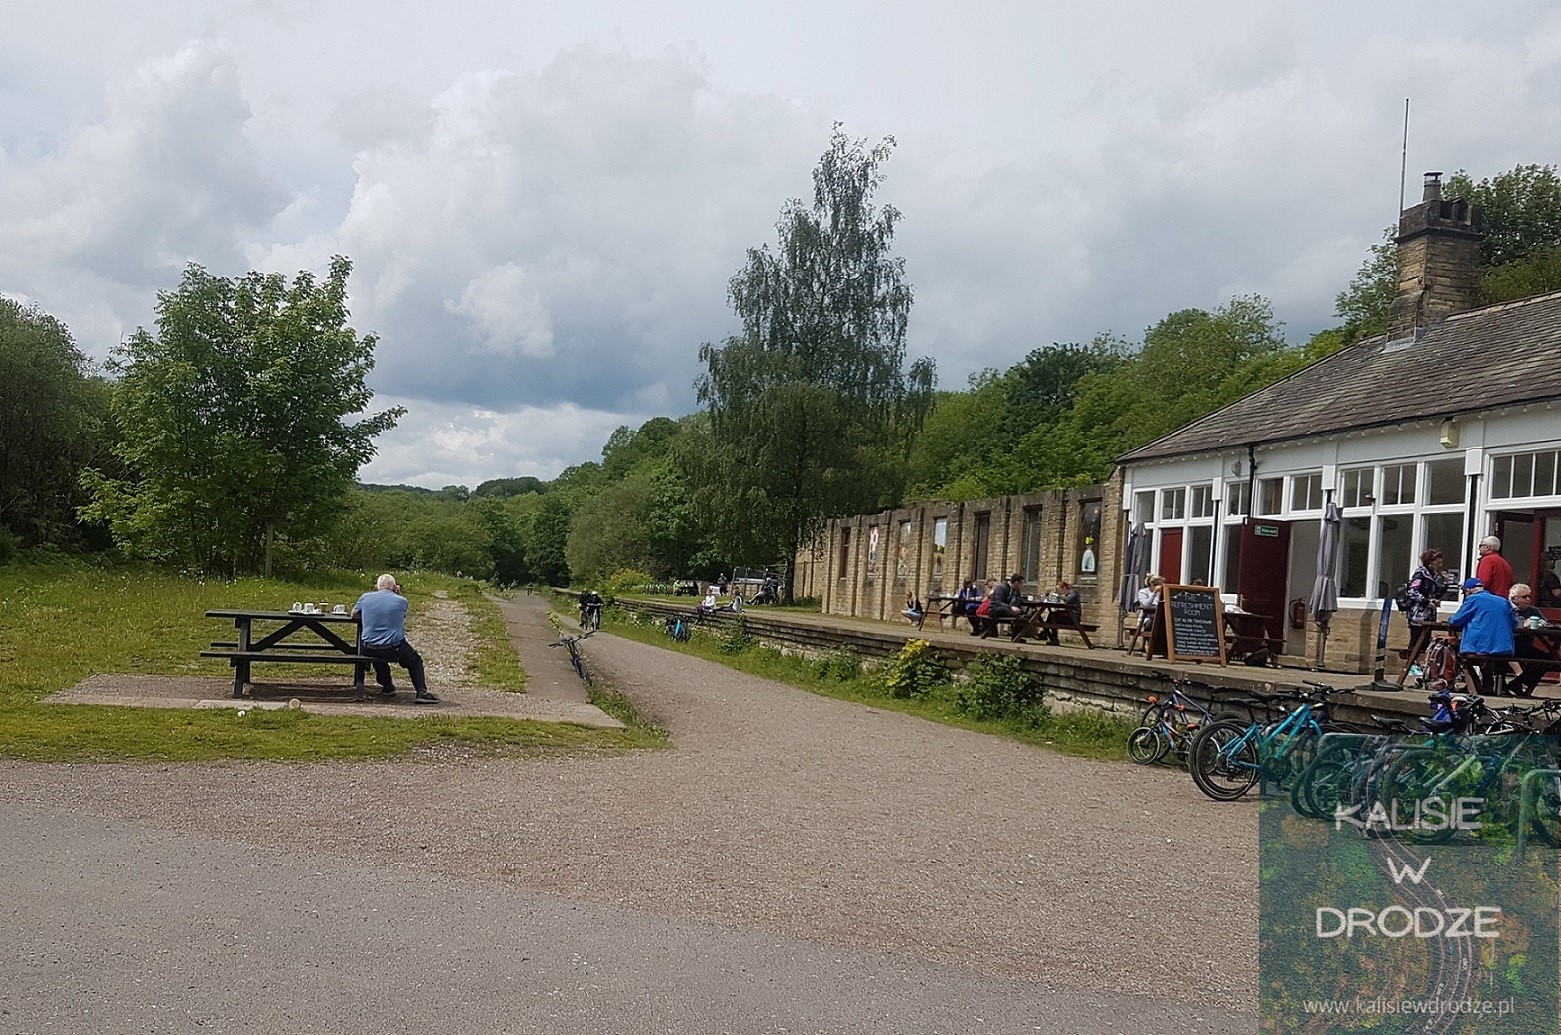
<point>62,622</point>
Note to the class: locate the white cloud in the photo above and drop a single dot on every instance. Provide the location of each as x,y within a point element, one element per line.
<point>507,313</point>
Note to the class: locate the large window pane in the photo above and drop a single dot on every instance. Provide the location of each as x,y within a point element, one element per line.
<point>902,551</point>
<point>1395,552</point>
<point>1231,569</point>
<point>1445,481</point>
<point>1173,504</point>
<point>1444,532</point>
<point>1355,542</point>
<point>1200,539</point>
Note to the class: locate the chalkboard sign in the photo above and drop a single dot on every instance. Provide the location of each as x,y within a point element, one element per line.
<point>1189,625</point>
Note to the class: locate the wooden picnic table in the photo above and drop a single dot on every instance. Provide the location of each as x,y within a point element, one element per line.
<point>1546,641</point>
<point>1042,615</point>
<point>307,637</point>
<point>941,606</point>
<point>1247,633</point>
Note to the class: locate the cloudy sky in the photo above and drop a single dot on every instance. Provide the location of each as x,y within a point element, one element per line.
<point>544,202</point>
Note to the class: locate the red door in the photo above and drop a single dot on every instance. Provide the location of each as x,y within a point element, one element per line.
<point>1264,576</point>
<point>1171,555</point>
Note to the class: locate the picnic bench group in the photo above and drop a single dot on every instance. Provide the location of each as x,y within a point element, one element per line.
<point>1037,616</point>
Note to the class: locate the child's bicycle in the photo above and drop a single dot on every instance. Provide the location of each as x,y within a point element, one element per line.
<point>575,657</point>
<point>1168,726</point>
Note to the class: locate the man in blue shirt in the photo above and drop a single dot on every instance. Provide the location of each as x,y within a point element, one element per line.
<point>383,613</point>
<point>1486,622</point>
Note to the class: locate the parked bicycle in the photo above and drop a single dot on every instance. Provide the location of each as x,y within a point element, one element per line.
<point>577,659</point>
<point>1229,756</point>
<point>677,627</point>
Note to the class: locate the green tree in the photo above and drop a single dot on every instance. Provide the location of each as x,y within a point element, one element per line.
<point>812,410</point>
<point>1040,388</point>
<point>1519,211</point>
<point>956,441</point>
<point>53,422</point>
<point>235,420</point>
<point>1364,305</point>
<point>547,540</point>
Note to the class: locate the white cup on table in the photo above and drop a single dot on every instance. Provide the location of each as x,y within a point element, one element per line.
<point>296,606</point>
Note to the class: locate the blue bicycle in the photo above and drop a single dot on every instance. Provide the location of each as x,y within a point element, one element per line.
<point>1228,756</point>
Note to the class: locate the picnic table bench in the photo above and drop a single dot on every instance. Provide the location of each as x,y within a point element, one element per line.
<point>939,607</point>
<point>323,646</point>
<point>1037,615</point>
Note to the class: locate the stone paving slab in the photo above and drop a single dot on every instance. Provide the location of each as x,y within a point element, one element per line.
<point>326,699</point>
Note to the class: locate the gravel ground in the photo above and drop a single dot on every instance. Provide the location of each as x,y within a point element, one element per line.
<point>776,810</point>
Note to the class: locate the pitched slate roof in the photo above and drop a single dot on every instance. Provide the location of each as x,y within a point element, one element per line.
<point>1501,355</point>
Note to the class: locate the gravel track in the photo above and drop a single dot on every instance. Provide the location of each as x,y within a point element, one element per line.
<point>776,810</point>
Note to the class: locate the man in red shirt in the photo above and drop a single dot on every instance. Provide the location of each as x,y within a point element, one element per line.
<point>1493,570</point>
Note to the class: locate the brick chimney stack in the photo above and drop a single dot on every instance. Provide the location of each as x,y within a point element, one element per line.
<point>1438,261</point>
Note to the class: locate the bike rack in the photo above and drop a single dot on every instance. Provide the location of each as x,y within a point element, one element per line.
<point>1526,800</point>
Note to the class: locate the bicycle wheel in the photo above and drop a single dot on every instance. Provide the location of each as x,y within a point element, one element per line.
<point>1545,821</point>
<point>579,663</point>
<point>1146,745</point>
<point>1223,760</point>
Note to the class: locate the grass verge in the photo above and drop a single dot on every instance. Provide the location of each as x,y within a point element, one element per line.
<point>1081,734</point>
<point>62,622</point>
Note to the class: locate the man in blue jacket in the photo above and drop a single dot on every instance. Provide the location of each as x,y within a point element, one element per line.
<point>1486,622</point>
<point>383,613</point>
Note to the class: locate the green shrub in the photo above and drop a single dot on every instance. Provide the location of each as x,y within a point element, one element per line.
<point>999,688</point>
<point>916,671</point>
<point>735,638</point>
<point>624,580</point>
<point>838,666</point>
<point>9,544</point>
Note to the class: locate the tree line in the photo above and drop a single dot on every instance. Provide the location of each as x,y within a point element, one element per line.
<point>229,439</point>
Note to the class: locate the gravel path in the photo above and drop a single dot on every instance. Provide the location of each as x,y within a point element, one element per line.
<point>776,810</point>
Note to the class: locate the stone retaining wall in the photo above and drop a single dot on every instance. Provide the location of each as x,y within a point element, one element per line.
<point>1101,680</point>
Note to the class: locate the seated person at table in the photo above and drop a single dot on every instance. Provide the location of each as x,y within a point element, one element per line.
<point>1005,601</point>
<point>983,607</point>
<point>1486,622</point>
<point>1066,595</point>
<point>383,612</point>
<point>914,610</point>
<point>1525,677</point>
<point>1147,603</point>
<point>967,600</point>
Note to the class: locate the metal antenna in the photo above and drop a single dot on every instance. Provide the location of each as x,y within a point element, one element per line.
<point>1403,164</point>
